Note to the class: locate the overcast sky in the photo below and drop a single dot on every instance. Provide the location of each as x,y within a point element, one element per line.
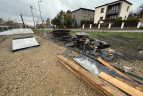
<point>10,9</point>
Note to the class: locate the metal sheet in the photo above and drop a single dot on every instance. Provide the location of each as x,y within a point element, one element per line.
<point>95,67</point>
<point>16,31</point>
<point>23,43</point>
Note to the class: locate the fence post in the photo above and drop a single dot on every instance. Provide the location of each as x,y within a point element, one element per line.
<point>122,26</point>
<point>109,26</point>
<point>83,26</point>
<point>99,26</point>
<point>139,25</point>
<point>90,26</point>
<point>7,28</point>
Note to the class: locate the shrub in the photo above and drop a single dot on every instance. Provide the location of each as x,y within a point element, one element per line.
<point>141,27</point>
<point>130,22</point>
<point>117,22</point>
<point>86,22</point>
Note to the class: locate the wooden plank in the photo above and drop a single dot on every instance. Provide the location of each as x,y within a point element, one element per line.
<point>84,79</point>
<point>125,81</point>
<point>128,89</point>
<point>105,88</point>
<point>112,68</point>
<point>130,83</point>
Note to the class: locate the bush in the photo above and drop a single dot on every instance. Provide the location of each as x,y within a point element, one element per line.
<point>117,22</point>
<point>86,22</point>
<point>141,27</point>
<point>129,23</point>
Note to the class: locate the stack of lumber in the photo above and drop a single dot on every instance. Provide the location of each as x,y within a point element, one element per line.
<point>99,85</point>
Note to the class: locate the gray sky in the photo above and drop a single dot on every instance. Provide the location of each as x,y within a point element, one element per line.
<point>10,9</point>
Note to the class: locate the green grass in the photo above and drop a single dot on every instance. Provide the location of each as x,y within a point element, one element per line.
<point>1,30</point>
<point>37,31</point>
<point>138,35</point>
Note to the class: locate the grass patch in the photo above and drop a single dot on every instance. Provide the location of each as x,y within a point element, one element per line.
<point>138,35</point>
<point>127,43</point>
<point>37,31</point>
<point>1,30</point>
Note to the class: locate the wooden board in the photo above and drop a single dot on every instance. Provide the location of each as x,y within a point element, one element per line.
<point>84,79</point>
<point>126,88</point>
<point>112,68</point>
<point>138,87</point>
<point>99,85</point>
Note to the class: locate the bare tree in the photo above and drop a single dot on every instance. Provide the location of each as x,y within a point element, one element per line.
<point>1,21</point>
<point>140,11</point>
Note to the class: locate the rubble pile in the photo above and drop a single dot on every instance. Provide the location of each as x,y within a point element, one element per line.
<point>62,35</point>
<point>84,42</point>
<point>91,46</point>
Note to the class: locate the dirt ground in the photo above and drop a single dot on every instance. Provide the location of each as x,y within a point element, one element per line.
<point>129,47</point>
<point>37,72</point>
<point>132,51</point>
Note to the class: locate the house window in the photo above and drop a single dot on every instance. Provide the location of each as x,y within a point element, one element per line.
<point>125,18</point>
<point>102,10</point>
<point>117,8</point>
<point>113,16</point>
<point>73,16</point>
<point>101,18</point>
<point>127,8</point>
<point>84,15</point>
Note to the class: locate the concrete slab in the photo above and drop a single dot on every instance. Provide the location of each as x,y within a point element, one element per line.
<point>23,43</point>
<point>16,31</point>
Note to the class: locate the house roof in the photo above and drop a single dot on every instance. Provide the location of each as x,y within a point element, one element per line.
<point>83,9</point>
<point>114,2</point>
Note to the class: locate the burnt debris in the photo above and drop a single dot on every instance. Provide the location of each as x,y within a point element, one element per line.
<point>62,35</point>
<point>85,43</point>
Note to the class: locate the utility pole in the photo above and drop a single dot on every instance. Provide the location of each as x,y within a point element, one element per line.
<point>40,11</point>
<point>22,21</point>
<point>33,16</point>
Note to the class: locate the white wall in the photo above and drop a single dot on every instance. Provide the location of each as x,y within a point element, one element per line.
<point>98,14</point>
<point>124,11</point>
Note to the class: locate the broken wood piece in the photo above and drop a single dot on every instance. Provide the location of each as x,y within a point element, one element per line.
<point>130,83</point>
<point>112,68</point>
<point>98,84</point>
<point>123,86</point>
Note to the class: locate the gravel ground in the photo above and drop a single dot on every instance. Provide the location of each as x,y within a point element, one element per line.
<point>2,38</point>
<point>37,72</point>
<point>126,46</point>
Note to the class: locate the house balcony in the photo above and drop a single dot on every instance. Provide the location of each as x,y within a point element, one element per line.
<point>110,12</point>
<point>108,20</point>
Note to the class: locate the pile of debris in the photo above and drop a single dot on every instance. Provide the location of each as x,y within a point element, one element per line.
<point>84,42</point>
<point>62,35</point>
<point>91,46</point>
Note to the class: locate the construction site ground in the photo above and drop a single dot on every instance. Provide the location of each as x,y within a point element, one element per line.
<point>36,71</point>
<point>131,48</point>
